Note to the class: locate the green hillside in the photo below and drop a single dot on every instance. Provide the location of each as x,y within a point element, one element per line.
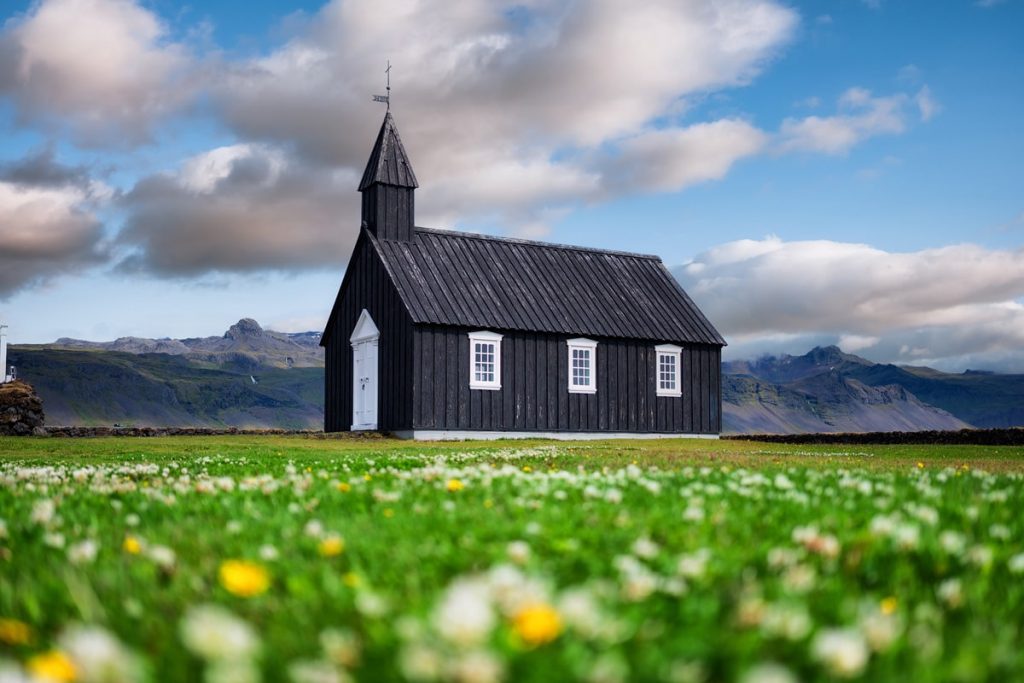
<point>155,389</point>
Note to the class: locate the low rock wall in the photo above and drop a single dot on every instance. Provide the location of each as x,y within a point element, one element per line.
<point>21,410</point>
<point>965,437</point>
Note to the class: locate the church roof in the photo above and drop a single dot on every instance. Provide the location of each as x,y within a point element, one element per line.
<point>469,280</point>
<point>388,163</point>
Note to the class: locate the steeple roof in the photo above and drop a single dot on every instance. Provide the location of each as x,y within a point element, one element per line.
<point>388,163</point>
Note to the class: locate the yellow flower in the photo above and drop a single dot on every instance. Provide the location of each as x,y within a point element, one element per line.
<point>920,465</point>
<point>243,578</point>
<point>332,546</point>
<point>527,468</point>
<point>52,666</point>
<point>352,580</point>
<point>537,624</point>
<point>888,605</point>
<point>131,545</point>
<point>367,477</point>
<point>344,486</point>
<point>455,485</point>
<point>14,632</point>
<point>389,513</point>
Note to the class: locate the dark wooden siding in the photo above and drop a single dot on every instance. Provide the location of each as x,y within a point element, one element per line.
<point>534,394</point>
<point>389,211</point>
<point>367,285</point>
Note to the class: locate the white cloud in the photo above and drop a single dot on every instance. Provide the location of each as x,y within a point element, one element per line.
<point>240,208</point>
<point>102,69</point>
<point>951,301</point>
<point>44,232</point>
<point>861,116</point>
<point>508,111</point>
<point>926,104</point>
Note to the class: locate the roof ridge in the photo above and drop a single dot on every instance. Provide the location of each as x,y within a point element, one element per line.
<point>537,243</point>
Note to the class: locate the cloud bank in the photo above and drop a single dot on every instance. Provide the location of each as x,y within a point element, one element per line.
<point>945,306</point>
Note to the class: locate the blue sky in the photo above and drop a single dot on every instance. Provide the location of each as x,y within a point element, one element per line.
<point>822,172</point>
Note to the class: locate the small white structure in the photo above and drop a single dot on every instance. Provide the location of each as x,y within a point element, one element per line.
<point>5,376</point>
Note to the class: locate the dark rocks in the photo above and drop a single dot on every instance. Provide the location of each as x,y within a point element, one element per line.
<point>21,410</point>
<point>975,437</point>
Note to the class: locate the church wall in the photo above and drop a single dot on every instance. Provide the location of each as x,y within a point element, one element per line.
<point>366,285</point>
<point>534,394</point>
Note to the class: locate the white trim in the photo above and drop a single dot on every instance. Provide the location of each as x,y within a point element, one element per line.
<point>364,330</point>
<point>676,352</point>
<point>485,337</point>
<point>582,344</point>
<point>469,435</point>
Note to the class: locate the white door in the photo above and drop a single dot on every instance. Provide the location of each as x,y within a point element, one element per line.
<point>364,385</point>
<point>364,373</point>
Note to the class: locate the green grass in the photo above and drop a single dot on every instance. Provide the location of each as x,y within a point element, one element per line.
<point>657,560</point>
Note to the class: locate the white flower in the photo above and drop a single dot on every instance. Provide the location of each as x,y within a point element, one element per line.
<point>99,657</point>
<point>315,671</point>
<point>268,553</point>
<point>881,630</point>
<point>786,621</point>
<point>232,671</point>
<point>694,565</point>
<point>580,611</point>
<point>371,604</point>
<point>518,552</point>
<point>132,520</point>
<point>465,616</point>
<point>768,672</point>
<point>420,663</point>
<point>843,651</point>
<point>646,548</point>
<point>214,633</point>
<point>1016,564</point>
<point>999,531</point>
<point>314,528</point>
<point>951,592</point>
<point>340,646</point>
<point>162,556</point>
<point>953,542</point>
<point>83,552</point>
<point>477,667</point>
<point>43,512</point>
<point>980,556</point>
<point>54,539</point>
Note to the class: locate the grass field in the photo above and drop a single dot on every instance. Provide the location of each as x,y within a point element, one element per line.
<point>248,558</point>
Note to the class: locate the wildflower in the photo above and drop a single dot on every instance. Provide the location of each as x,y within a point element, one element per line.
<point>538,624</point>
<point>340,646</point>
<point>465,616</point>
<point>162,556</point>
<point>43,512</point>
<point>131,545</point>
<point>881,629</point>
<point>243,578</point>
<point>920,465</point>
<point>352,580</point>
<point>518,552</point>
<point>454,485</point>
<point>645,548</point>
<point>420,663</point>
<point>844,652</point>
<point>768,672</point>
<point>15,632</point>
<point>527,469</point>
<point>83,552</point>
<point>951,592</point>
<point>1016,564</point>
<point>315,671</point>
<point>952,542</point>
<point>99,656</point>
<point>372,605</point>
<point>314,528</point>
<point>214,633</point>
<point>344,486</point>
<point>888,605</point>
<point>477,667</point>
<point>580,611</point>
<point>331,546</point>
<point>268,553</point>
<point>52,666</point>
<point>694,565</point>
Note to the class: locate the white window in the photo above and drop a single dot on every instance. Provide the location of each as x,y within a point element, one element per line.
<point>582,366</point>
<point>669,382</point>
<point>484,360</point>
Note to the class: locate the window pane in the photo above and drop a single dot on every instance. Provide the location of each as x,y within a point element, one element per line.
<point>483,361</point>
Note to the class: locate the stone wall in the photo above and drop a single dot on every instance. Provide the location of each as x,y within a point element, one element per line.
<point>21,410</point>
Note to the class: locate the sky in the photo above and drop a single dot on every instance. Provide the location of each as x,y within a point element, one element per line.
<point>846,172</point>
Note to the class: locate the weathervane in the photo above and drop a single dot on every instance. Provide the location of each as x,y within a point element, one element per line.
<point>386,99</point>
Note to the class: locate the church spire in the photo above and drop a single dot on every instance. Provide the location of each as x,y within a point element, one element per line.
<point>388,164</point>
<point>388,186</point>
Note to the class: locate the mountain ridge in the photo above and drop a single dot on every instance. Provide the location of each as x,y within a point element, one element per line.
<point>251,377</point>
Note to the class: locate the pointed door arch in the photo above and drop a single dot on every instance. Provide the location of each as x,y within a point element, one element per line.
<point>365,370</point>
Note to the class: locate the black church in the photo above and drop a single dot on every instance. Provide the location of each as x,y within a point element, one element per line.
<point>442,334</point>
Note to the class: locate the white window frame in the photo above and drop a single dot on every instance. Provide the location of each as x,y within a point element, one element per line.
<point>581,344</point>
<point>485,337</point>
<point>672,351</point>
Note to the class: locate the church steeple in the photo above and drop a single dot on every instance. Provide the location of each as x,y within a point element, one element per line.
<point>388,185</point>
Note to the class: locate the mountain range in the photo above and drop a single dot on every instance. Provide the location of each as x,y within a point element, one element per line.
<point>256,378</point>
